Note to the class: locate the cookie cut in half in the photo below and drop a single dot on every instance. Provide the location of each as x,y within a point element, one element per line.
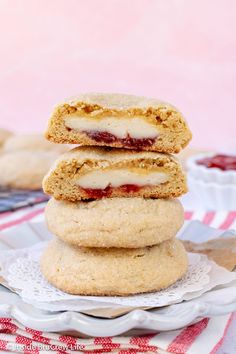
<point>114,271</point>
<point>121,121</point>
<point>115,222</point>
<point>93,173</point>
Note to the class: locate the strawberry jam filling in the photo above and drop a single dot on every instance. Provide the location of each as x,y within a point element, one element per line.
<point>128,142</point>
<point>100,193</point>
<point>129,188</point>
<point>223,162</point>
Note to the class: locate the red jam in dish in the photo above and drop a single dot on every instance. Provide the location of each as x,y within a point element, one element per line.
<point>100,193</point>
<point>128,142</point>
<point>223,162</point>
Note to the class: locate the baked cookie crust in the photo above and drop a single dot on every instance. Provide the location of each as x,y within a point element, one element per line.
<point>113,272</point>
<point>115,222</point>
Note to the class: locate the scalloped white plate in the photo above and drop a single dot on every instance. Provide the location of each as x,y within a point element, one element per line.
<point>165,319</point>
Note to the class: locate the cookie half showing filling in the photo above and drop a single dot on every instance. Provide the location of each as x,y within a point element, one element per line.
<point>121,121</point>
<point>115,222</point>
<point>113,271</point>
<point>93,173</point>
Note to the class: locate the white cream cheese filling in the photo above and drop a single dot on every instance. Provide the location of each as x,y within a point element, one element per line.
<point>118,177</point>
<point>136,128</point>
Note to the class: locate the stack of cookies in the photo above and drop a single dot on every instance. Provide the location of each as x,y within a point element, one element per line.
<point>113,211</point>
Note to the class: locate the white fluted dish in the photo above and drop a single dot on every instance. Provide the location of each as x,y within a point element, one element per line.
<point>215,303</point>
<point>209,175</point>
<point>212,196</point>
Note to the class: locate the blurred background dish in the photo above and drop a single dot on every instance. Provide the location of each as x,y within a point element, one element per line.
<point>211,182</point>
<point>211,196</point>
<point>213,168</point>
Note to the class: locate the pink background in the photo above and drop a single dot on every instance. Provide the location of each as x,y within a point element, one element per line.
<point>179,50</point>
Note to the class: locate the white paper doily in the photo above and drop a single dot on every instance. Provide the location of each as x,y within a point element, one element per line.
<point>21,269</point>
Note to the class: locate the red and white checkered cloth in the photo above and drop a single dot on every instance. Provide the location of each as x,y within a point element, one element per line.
<point>205,337</point>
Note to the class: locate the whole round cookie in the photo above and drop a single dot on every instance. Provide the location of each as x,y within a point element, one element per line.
<point>25,169</point>
<point>32,142</point>
<point>115,271</point>
<point>4,135</point>
<point>115,222</point>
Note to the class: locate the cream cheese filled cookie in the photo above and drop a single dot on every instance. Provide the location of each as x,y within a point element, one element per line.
<point>118,120</point>
<point>93,173</point>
